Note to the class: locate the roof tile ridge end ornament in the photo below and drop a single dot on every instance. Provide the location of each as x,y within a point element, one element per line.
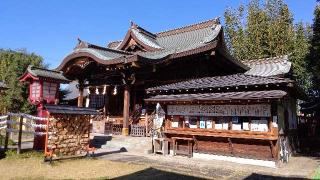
<point>142,30</point>
<point>190,27</point>
<point>81,44</point>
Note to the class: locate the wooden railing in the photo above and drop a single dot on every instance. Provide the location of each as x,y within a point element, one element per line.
<point>117,129</point>
<point>135,116</point>
<point>138,130</point>
<point>149,122</point>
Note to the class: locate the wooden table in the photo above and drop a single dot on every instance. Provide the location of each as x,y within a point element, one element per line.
<point>175,141</point>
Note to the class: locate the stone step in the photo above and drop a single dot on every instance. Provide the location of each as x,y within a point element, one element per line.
<point>137,144</point>
<point>98,140</point>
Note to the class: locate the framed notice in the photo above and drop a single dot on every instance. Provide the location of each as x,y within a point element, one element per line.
<point>175,124</point>
<point>245,126</point>
<point>193,122</point>
<point>254,110</point>
<point>202,123</point>
<point>236,127</point>
<point>255,125</point>
<point>209,124</point>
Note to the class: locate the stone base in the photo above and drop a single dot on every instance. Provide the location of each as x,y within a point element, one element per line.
<point>125,131</point>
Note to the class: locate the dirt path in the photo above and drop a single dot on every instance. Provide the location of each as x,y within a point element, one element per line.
<point>299,167</point>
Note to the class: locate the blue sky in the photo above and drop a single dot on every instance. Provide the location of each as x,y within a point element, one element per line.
<point>51,28</point>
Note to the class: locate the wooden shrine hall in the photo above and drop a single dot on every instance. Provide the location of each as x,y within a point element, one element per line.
<point>119,73</point>
<point>218,103</point>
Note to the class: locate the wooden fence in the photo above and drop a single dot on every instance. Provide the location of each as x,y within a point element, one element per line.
<point>117,129</point>
<point>22,124</point>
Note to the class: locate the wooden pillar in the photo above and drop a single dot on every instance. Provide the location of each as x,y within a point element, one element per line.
<point>20,135</point>
<point>6,140</point>
<point>126,108</point>
<point>80,98</point>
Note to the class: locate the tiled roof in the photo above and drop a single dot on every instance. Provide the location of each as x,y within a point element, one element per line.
<point>103,54</point>
<point>248,95</point>
<point>148,40</point>
<point>59,109</point>
<point>167,44</point>
<point>273,66</point>
<point>44,73</point>
<point>156,48</point>
<point>221,81</point>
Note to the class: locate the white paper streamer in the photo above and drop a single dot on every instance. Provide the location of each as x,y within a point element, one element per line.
<point>4,127</point>
<point>39,133</point>
<point>3,117</point>
<point>28,116</point>
<point>41,126</point>
<point>3,122</point>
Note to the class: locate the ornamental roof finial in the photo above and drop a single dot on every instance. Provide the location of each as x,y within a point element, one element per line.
<point>133,25</point>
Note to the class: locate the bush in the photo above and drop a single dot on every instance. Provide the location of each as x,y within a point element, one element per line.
<point>12,154</point>
<point>2,140</point>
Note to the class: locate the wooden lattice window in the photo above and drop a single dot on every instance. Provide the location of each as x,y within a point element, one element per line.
<point>35,90</point>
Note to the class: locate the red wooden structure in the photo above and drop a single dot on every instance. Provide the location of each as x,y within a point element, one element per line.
<point>43,89</point>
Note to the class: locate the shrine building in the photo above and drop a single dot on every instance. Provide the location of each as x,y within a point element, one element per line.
<point>214,102</point>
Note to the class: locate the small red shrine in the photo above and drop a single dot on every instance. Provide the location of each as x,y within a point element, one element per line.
<point>43,89</point>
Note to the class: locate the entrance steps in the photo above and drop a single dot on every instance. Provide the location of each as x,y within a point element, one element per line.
<point>131,144</point>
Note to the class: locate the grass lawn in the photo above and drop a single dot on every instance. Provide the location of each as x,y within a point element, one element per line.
<point>31,166</point>
<point>317,174</point>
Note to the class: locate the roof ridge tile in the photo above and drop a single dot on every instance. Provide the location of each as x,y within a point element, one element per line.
<point>190,27</point>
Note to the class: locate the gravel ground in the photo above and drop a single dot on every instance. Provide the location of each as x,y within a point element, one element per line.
<point>298,167</point>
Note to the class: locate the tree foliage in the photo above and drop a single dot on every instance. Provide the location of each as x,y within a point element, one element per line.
<point>314,56</point>
<point>12,65</point>
<point>257,31</point>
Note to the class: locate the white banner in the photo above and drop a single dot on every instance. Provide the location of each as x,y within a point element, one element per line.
<point>255,110</point>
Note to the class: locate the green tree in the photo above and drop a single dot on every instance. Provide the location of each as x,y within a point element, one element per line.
<point>235,37</point>
<point>12,65</point>
<point>256,31</point>
<point>314,56</point>
<point>299,55</point>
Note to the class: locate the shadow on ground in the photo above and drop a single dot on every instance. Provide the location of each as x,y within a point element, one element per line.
<point>155,174</point>
<point>110,152</point>
<point>255,176</point>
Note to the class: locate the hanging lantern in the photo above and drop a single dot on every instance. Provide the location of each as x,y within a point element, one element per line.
<point>44,84</point>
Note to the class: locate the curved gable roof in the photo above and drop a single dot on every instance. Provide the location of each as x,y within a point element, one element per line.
<point>185,41</point>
